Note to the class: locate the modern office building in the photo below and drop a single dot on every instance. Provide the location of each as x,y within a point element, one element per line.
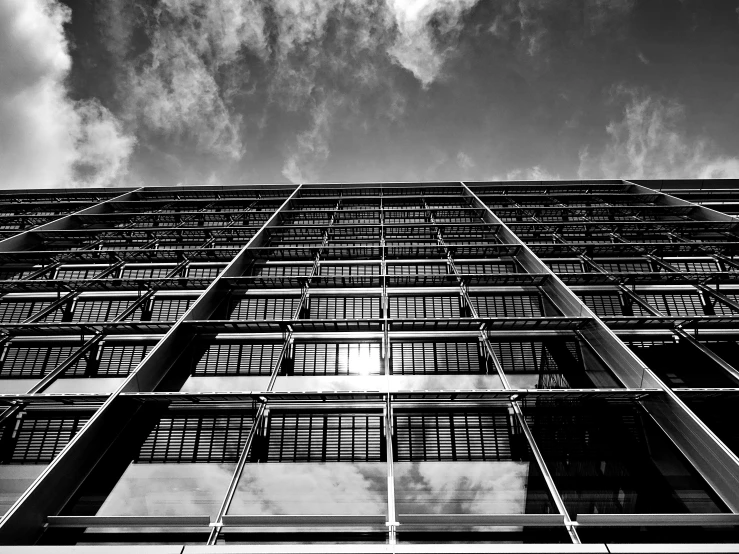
<point>395,367</point>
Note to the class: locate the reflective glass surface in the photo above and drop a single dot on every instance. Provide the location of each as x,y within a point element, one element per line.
<point>168,490</point>
<point>612,458</point>
<point>357,488</point>
<point>93,385</point>
<point>14,480</point>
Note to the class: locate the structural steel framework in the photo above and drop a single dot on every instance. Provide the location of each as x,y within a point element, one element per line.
<point>395,367</point>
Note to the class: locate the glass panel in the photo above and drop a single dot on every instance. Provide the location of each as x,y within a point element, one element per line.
<point>17,386</point>
<point>225,384</point>
<point>14,480</point>
<point>168,490</point>
<point>357,488</point>
<point>86,385</point>
<point>465,463</point>
<point>612,458</point>
<point>443,382</point>
<point>331,382</point>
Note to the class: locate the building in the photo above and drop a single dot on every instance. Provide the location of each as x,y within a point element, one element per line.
<point>371,368</point>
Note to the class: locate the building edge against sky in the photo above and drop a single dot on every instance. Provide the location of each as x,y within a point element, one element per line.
<point>376,367</point>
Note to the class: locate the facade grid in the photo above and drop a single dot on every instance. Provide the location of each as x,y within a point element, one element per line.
<point>391,367</point>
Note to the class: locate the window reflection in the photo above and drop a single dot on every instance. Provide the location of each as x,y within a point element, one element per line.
<point>612,458</point>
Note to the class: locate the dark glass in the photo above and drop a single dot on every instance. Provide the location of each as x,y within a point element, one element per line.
<point>682,365</point>
<point>612,458</point>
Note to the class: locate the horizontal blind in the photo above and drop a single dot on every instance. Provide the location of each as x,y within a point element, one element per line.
<point>423,306</point>
<point>324,437</point>
<point>283,270</point>
<point>603,304</point>
<point>343,307</point>
<point>145,272</point>
<point>39,440</point>
<point>320,358</point>
<point>16,312</point>
<point>203,272</point>
<point>565,267</point>
<point>260,308</point>
<point>196,439</point>
<point>509,305</point>
<point>494,268</point>
<point>416,269</point>
<point>34,361</point>
<point>238,359</point>
<point>120,360</point>
<point>460,436</point>
<point>418,358</point>
<point>169,309</point>
<point>350,269</point>
<point>100,310</point>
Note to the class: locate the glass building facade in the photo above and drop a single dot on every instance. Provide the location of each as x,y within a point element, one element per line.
<point>396,367</point>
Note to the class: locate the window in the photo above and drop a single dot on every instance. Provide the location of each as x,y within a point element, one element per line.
<point>261,307</point>
<point>17,312</point>
<point>603,304</point>
<point>238,359</point>
<point>324,437</point>
<point>344,307</point>
<point>119,360</point>
<point>169,309</point>
<point>417,358</point>
<point>196,438</point>
<point>39,439</point>
<point>508,305</point>
<point>453,436</point>
<point>100,310</point>
<point>320,358</point>
<point>23,362</point>
<point>675,304</point>
<point>424,306</point>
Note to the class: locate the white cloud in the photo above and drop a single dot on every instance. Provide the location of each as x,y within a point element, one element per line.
<point>650,142</point>
<point>45,137</point>
<point>464,161</point>
<point>182,87</point>
<point>535,173</point>
<point>415,47</point>
<point>312,145</point>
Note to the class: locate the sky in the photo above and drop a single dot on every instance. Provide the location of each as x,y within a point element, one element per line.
<point>165,92</point>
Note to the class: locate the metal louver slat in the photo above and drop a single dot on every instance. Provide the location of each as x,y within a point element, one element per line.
<point>335,307</point>
<point>424,306</point>
<point>169,309</point>
<point>120,360</point>
<point>196,439</point>
<point>324,437</point>
<point>100,310</point>
<point>459,436</point>
<point>603,304</point>
<point>33,362</point>
<point>417,358</point>
<point>39,440</point>
<point>261,308</point>
<point>337,359</point>
<point>507,305</point>
<point>238,359</point>
<point>16,312</point>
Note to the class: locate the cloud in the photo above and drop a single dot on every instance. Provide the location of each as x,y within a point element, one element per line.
<point>650,142</point>
<point>416,47</point>
<point>184,86</point>
<point>464,161</point>
<point>46,138</point>
<point>535,173</point>
<point>312,146</point>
